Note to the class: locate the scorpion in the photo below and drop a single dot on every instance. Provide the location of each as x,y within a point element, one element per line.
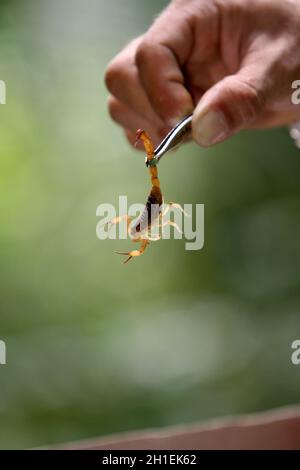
<point>154,210</point>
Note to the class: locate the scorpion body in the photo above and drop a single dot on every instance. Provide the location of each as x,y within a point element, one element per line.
<point>154,211</point>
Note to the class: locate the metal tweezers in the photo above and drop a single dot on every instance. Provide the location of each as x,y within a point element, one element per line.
<point>174,138</point>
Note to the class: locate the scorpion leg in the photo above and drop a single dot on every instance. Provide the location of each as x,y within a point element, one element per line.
<point>118,220</point>
<point>134,253</point>
<point>169,205</point>
<point>170,222</point>
<point>154,238</point>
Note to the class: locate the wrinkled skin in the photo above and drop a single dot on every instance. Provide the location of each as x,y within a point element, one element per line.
<point>232,62</point>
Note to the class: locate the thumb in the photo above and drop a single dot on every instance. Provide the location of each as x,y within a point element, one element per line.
<point>232,104</point>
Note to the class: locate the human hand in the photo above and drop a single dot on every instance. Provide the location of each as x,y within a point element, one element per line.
<point>231,62</point>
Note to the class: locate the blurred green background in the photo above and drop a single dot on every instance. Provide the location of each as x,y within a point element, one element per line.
<point>95,347</point>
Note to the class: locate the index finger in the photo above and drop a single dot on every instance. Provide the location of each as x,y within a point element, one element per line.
<point>159,58</point>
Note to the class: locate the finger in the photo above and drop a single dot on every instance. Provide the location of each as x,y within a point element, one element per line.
<point>159,57</point>
<point>131,121</point>
<point>236,102</point>
<point>123,82</point>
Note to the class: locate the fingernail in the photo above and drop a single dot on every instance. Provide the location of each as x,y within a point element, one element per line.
<point>211,128</point>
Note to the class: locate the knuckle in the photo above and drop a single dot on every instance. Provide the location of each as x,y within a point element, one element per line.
<point>113,75</point>
<point>113,108</point>
<point>246,101</point>
<point>253,102</point>
<point>119,69</point>
<point>144,52</point>
<point>251,94</point>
